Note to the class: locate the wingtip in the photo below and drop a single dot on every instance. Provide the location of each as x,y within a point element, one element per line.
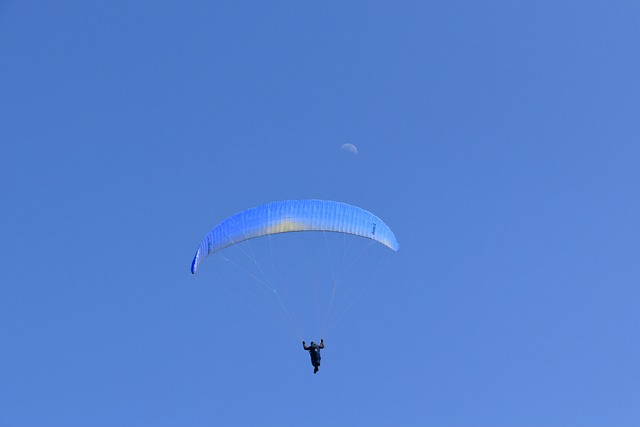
<point>194,264</point>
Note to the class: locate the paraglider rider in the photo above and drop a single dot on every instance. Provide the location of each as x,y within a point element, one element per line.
<point>314,351</point>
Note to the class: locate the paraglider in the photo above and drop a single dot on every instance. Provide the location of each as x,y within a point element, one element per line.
<point>290,216</point>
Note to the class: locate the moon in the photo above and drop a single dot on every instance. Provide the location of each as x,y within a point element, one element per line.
<point>350,148</point>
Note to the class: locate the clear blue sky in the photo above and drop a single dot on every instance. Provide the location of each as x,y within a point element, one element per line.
<point>500,140</point>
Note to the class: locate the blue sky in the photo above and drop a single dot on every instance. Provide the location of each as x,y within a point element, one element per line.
<point>499,140</point>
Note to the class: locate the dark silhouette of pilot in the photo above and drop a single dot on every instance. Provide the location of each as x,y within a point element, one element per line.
<point>314,351</point>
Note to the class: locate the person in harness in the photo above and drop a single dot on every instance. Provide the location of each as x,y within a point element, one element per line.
<point>314,351</point>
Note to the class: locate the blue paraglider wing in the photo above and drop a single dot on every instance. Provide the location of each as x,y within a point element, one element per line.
<point>294,215</point>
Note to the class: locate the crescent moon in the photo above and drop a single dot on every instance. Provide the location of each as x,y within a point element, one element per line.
<point>350,148</point>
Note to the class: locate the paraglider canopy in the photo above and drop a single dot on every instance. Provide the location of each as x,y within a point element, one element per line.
<point>294,215</point>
